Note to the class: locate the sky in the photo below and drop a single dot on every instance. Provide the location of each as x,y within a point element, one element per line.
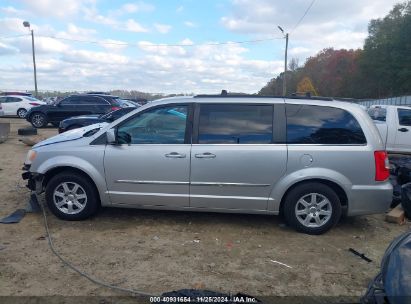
<point>171,46</point>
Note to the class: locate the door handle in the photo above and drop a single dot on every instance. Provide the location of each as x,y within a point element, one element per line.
<point>175,155</point>
<point>205,155</point>
<point>403,130</point>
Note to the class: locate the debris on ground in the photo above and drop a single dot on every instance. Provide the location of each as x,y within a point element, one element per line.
<point>361,255</point>
<point>277,262</point>
<point>27,131</point>
<point>33,204</point>
<point>32,140</point>
<point>396,215</point>
<point>406,199</point>
<point>13,218</point>
<point>4,131</point>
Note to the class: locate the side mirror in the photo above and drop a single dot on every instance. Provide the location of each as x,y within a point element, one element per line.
<point>111,137</point>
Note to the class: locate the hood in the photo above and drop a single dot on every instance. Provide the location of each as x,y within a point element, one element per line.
<point>70,135</point>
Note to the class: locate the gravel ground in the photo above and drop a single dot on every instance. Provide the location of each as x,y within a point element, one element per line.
<point>161,251</point>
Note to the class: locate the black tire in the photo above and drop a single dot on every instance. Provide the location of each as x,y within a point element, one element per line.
<point>27,131</point>
<point>21,113</point>
<point>38,120</point>
<point>91,203</point>
<point>296,200</point>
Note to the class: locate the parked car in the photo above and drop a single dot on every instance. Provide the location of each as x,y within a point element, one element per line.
<point>128,103</point>
<point>394,125</point>
<point>16,93</point>
<point>1,110</point>
<point>86,120</point>
<point>309,160</point>
<point>74,105</point>
<point>18,104</point>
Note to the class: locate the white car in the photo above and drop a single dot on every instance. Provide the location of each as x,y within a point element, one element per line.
<point>18,105</point>
<point>394,125</point>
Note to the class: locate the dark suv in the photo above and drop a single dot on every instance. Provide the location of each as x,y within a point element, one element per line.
<point>74,105</point>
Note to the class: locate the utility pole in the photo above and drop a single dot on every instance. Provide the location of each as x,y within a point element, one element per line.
<point>27,24</point>
<point>285,61</point>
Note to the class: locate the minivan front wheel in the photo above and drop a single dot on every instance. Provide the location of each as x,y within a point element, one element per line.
<point>312,208</point>
<point>71,196</point>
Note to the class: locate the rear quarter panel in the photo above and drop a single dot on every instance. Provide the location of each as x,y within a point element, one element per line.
<point>349,166</point>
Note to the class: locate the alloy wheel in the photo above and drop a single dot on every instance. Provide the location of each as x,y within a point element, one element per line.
<point>70,198</point>
<point>313,210</point>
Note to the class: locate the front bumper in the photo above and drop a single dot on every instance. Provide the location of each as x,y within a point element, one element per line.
<point>34,180</point>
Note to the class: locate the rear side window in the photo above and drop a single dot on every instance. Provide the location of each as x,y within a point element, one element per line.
<point>235,124</point>
<point>308,124</point>
<point>13,99</point>
<point>379,114</point>
<point>98,100</point>
<point>404,117</point>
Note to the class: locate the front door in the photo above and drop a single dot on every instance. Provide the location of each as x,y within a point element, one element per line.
<point>403,136</point>
<point>150,165</point>
<point>234,158</point>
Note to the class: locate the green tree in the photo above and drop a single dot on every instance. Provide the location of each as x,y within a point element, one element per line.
<point>385,64</point>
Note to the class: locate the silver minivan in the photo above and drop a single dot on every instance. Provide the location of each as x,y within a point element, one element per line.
<point>309,160</point>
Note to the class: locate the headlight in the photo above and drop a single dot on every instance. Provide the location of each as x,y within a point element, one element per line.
<point>31,155</point>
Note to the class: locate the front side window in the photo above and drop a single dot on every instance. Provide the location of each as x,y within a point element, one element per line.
<point>164,125</point>
<point>404,117</point>
<point>307,124</point>
<point>68,101</point>
<point>235,124</point>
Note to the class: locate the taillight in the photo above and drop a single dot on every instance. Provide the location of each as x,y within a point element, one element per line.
<point>115,108</point>
<point>34,103</point>
<point>382,166</point>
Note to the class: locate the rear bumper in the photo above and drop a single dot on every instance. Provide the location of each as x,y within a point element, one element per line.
<point>370,199</point>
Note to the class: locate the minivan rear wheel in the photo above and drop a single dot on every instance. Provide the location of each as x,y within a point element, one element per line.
<point>71,196</point>
<point>312,208</point>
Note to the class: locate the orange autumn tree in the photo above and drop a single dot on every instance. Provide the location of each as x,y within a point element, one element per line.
<point>305,86</point>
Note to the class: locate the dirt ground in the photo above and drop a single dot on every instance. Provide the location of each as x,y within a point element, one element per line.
<point>161,251</point>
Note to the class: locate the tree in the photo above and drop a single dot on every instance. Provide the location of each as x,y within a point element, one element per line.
<point>305,85</point>
<point>386,61</point>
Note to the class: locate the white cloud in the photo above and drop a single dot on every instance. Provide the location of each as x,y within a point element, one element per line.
<point>6,49</point>
<point>180,9</point>
<point>134,7</point>
<point>190,24</point>
<point>162,28</point>
<point>10,10</point>
<point>113,45</point>
<point>133,26</point>
<point>338,24</point>
<point>59,9</point>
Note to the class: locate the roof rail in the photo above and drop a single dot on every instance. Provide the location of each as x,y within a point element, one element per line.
<point>224,94</point>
